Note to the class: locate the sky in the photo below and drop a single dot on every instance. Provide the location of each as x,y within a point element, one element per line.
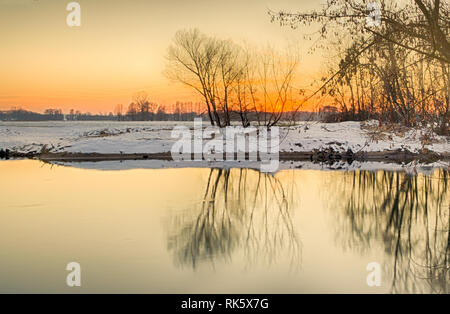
<point>120,48</point>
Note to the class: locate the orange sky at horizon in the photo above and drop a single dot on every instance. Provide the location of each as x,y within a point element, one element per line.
<point>120,48</point>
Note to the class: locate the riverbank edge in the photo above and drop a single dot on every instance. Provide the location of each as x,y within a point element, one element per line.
<point>395,156</point>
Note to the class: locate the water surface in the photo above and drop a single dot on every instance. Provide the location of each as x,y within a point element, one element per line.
<point>205,230</point>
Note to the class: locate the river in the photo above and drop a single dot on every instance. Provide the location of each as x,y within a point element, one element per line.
<point>201,230</point>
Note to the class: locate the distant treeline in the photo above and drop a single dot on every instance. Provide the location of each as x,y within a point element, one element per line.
<point>57,115</point>
<point>160,115</point>
<point>24,115</point>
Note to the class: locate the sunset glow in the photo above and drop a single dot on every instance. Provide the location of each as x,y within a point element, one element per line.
<point>119,49</point>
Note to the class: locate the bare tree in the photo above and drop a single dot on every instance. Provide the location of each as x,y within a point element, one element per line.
<point>192,60</point>
<point>133,110</point>
<point>425,24</point>
<point>141,99</point>
<point>266,87</point>
<point>276,73</point>
<point>118,110</point>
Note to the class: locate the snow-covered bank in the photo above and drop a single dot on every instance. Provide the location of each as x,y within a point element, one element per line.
<point>87,137</point>
<point>155,137</point>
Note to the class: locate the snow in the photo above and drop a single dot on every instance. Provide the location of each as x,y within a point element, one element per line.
<point>155,137</point>
<point>355,136</point>
<point>88,137</point>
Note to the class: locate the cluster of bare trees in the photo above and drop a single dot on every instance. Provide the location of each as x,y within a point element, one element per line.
<point>142,109</point>
<point>396,71</point>
<point>234,80</point>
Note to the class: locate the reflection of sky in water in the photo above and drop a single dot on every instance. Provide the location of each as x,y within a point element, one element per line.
<point>202,230</point>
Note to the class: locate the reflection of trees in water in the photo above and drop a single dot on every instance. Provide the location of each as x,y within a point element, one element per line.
<point>409,217</point>
<point>241,209</point>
